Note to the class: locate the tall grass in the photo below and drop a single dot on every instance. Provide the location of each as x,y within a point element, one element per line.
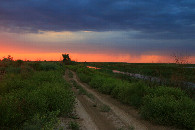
<point>34,102</point>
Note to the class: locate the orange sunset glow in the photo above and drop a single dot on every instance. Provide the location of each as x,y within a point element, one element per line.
<point>33,54</point>
<point>94,57</point>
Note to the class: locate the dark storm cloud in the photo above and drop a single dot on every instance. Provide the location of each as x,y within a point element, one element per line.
<point>170,19</point>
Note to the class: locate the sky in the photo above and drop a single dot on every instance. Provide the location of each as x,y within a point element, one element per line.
<point>134,31</point>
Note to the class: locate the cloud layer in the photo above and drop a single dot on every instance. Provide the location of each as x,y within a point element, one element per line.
<point>159,19</point>
<point>98,26</point>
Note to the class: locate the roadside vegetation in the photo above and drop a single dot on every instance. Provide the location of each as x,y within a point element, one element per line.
<point>81,90</point>
<point>173,71</point>
<point>159,104</point>
<point>33,94</point>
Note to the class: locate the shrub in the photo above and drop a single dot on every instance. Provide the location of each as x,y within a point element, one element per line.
<point>47,66</point>
<point>84,77</point>
<point>130,93</point>
<point>42,94</point>
<point>168,110</point>
<point>39,122</point>
<point>26,71</point>
<point>12,82</point>
<point>108,85</point>
<point>15,70</point>
<point>115,91</point>
<point>74,125</point>
<point>58,97</point>
<point>158,109</point>
<point>136,93</point>
<point>19,62</point>
<point>85,70</point>
<point>96,81</point>
<point>44,66</point>
<point>185,114</point>
<point>105,108</point>
<point>162,91</point>
<point>10,114</point>
<point>70,74</point>
<point>43,77</point>
<point>35,65</point>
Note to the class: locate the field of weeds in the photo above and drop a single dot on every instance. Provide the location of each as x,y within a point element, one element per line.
<point>33,94</point>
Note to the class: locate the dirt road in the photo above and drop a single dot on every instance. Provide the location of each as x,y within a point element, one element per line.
<point>119,116</point>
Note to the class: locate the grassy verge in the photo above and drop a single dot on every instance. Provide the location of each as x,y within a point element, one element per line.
<point>82,90</point>
<point>70,74</point>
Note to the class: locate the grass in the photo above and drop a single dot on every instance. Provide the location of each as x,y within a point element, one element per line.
<point>70,74</point>
<point>34,96</point>
<point>74,125</point>
<point>82,90</point>
<point>104,108</point>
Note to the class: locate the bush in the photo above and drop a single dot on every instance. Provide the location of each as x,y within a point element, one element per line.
<point>74,125</point>
<point>58,97</point>
<point>85,70</point>
<point>108,85</point>
<point>168,110</point>
<point>47,66</point>
<point>10,114</point>
<point>162,91</point>
<point>44,93</point>
<point>131,93</point>
<point>185,114</point>
<point>15,70</point>
<point>44,77</point>
<point>39,122</point>
<point>118,89</point>
<point>12,82</point>
<point>84,77</point>
<point>97,81</point>
<point>26,71</point>
<point>105,108</point>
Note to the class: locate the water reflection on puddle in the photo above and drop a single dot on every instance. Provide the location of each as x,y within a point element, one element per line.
<point>91,67</point>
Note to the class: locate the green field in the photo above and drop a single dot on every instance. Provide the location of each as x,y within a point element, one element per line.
<point>33,95</point>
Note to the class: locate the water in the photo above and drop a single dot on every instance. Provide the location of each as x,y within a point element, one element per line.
<point>150,78</point>
<point>91,67</point>
<point>139,76</point>
<point>144,77</point>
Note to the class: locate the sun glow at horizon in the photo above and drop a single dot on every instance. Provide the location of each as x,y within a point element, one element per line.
<point>81,57</point>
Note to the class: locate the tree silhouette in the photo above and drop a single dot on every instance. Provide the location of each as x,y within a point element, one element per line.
<point>8,59</point>
<point>66,59</point>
